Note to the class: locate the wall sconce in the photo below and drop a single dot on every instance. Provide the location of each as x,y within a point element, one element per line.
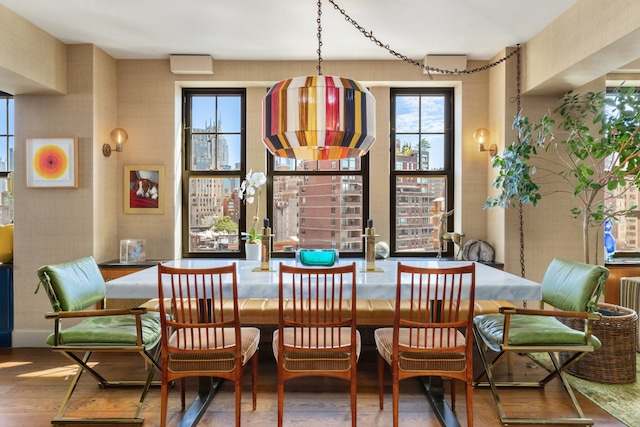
<point>119,136</point>
<point>481,136</point>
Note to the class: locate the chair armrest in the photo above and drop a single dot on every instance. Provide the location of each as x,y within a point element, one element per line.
<point>552,313</point>
<point>94,313</point>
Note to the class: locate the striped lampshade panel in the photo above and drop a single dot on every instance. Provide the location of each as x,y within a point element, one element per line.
<point>318,118</point>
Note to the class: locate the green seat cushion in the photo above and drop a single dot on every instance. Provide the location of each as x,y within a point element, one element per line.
<point>527,330</point>
<point>111,330</point>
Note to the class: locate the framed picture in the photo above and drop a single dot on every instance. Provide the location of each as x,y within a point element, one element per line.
<point>144,190</point>
<point>52,162</point>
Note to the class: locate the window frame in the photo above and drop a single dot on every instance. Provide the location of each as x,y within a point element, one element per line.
<point>8,136</point>
<point>448,171</point>
<point>364,172</point>
<point>187,173</point>
<point>634,222</point>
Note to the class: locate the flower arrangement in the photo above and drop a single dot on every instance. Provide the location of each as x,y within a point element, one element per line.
<point>250,189</point>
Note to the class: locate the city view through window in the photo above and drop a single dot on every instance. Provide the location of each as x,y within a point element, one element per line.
<point>6,156</point>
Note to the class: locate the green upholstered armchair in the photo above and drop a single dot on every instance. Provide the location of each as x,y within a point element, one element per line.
<point>572,289</point>
<point>74,288</point>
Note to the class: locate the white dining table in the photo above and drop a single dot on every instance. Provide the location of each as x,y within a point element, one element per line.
<point>491,283</point>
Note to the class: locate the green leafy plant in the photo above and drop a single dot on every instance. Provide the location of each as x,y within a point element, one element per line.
<point>250,190</point>
<point>594,148</point>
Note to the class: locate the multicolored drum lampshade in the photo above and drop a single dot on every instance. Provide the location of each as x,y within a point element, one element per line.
<point>318,118</point>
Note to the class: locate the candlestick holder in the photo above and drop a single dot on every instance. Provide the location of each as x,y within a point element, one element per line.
<point>265,263</point>
<point>370,250</point>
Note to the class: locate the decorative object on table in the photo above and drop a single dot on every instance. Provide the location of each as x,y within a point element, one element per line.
<point>382,250</point>
<point>443,235</point>
<point>477,250</point>
<point>250,190</point>
<point>370,248</point>
<point>253,251</point>
<point>132,251</point>
<point>52,162</point>
<point>609,241</point>
<point>317,257</point>
<point>144,190</point>
<point>265,247</point>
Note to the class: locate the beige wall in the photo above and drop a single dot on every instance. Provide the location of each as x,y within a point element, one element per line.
<point>143,97</point>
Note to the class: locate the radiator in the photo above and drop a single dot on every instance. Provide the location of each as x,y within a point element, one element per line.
<point>630,298</point>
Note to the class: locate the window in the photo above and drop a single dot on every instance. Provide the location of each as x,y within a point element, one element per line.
<point>6,156</point>
<point>625,228</point>
<point>421,168</point>
<point>214,166</point>
<point>335,204</point>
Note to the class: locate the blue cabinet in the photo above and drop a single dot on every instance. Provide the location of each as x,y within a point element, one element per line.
<point>6,305</point>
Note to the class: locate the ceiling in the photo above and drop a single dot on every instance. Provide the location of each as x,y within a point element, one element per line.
<point>287,29</point>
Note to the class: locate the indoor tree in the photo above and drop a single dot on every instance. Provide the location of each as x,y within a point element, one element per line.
<point>594,148</point>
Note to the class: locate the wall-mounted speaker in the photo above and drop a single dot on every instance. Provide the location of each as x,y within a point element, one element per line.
<point>191,64</point>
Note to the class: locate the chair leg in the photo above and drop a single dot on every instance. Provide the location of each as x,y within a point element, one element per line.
<point>354,397</point>
<point>453,394</point>
<point>381,363</point>
<point>254,378</point>
<point>469,396</point>
<point>280,399</point>
<point>238,389</point>
<point>164,397</point>
<point>182,397</point>
<point>395,387</point>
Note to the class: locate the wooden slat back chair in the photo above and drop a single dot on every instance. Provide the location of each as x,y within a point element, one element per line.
<point>428,334</point>
<point>202,336</point>
<point>317,333</point>
<point>572,289</point>
<point>74,288</point>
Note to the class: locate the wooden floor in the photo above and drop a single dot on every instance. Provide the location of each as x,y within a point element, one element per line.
<point>33,382</point>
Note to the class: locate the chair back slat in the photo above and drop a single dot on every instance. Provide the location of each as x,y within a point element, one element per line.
<point>434,316</point>
<point>204,311</point>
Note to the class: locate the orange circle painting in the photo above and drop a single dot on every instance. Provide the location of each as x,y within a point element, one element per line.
<point>50,162</point>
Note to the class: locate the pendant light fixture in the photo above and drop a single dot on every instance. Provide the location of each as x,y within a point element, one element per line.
<point>318,117</point>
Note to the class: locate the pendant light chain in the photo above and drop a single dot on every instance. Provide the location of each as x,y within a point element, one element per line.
<point>319,51</point>
<point>370,36</point>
